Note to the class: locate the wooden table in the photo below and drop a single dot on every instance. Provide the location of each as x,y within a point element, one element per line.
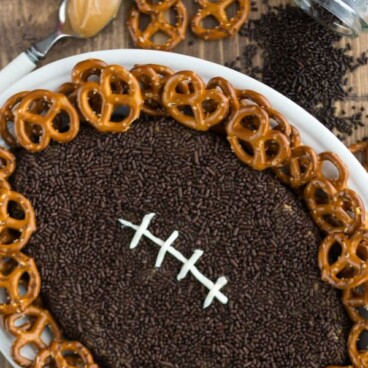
<point>23,22</point>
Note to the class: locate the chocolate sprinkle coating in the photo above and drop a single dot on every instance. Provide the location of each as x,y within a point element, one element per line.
<point>251,228</point>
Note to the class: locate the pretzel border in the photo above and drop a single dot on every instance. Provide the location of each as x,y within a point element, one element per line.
<point>294,142</point>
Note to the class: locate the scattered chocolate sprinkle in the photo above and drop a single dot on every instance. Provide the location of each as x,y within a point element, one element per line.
<point>302,60</point>
<point>252,229</point>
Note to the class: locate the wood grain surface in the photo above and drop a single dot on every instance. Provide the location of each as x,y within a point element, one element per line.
<point>23,22</point>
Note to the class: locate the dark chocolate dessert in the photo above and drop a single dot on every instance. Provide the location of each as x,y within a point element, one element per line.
<point>110,286</point>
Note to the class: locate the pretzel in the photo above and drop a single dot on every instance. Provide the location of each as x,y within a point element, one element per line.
<point>350,268</point>
<point>65,354</point>
<point>70,90</point>
<point>159,24</point>
<point>28,327</point>
<point>151,78</point>
<point>363,148</point>
<point>7,116</point>
<point>302,166</point>
<point>355,299</point>
<point>148,6</point>
<point>357,357</point>
<point>86,69</point>
<point>226,27</point>
<point>15,228</point>
<point>334,211</point>
<point>130,98</point>
<point>226,88</point>
<point>7,167</point>
<point>53,105</point>
<point>200,119</point>
<point>342,170</point>
<point>248,97</point>
<point>259,138</point>
<point>12,270</point>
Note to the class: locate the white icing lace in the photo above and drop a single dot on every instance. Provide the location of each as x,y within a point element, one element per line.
<point>189,265</point>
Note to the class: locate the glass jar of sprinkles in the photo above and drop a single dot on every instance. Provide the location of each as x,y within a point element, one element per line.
<point>347,17</point>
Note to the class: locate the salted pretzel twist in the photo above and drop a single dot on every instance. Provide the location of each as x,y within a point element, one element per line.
<point>7,167</point>
<point>148,6</point>
<point>302,166</point>
<point>355,300</point>
<point>199,117</point>
<point>13,269</point>
<point>28,328</point>
<point>152,78</point>
<point>361,147</point>
<point>349,269</point>
<point>334,211</point>
<point>17,223</point>
<point>264,147</point>
<point>226,26</point>
<point>130,98</point>
<point>358,358</point>
<point>84,70</point>
<point>7,117</point>
<point>34,130</point>
<point>65,354</point>
<point>335,208</point>
<point>159,24</point>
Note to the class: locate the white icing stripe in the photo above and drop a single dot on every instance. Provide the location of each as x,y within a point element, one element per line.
<point>139,233</point>
<point>221,282</point>
<point>165,247</point>
<point>188,264</point>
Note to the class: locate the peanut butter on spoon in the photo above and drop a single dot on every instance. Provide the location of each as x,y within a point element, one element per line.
<point>88,17</point>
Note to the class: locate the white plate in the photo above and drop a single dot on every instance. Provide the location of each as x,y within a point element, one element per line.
<point>312,132</point>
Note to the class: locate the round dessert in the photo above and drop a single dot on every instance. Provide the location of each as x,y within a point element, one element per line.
<point>259,300</point>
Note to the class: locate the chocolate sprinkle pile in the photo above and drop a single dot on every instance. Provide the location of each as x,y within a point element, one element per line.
<point>252,229</point>
<point>302,60</point>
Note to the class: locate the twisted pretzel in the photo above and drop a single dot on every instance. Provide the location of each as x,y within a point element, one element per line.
<point>334,211</point>
<point>158,24</point>
<point>70,90</point>
<point>302,166</point>
<point>349,269</point>
<point>342,170</point>
<point>86,69</point>
<point>354,299</point>
<point>12,270</point>
<point>226,27</point>
<point>363,148</point>
<point>152,78</point>
<point>65,354</point>
<point>131,98</point>
<point>148,6</point>
<point>15,228</point>
<point>176,102</point>
<point>7,167</point>
<point>7,116</point>
<point>226,88</point>
<point>248,97</point>
<point>48,124</point>
<point>358,358</point>
<point>33,323</point>
<point>265,147</point>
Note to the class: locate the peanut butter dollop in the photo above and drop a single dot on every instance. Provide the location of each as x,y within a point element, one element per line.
<point>88,17</point>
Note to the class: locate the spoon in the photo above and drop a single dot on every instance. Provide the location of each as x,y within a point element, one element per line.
<point>28,60</point>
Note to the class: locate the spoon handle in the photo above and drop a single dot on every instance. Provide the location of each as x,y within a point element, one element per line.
<point>27,61</point>
<point>15,70</point>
